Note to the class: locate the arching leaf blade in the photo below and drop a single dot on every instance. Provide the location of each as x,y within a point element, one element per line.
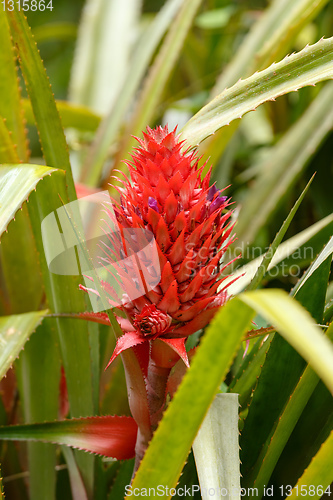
<point>39,397</point>
<point>109,129</point>
<point>72,115</point>
<point>8,152</point>
<point>19,266</point>
<point>286,163</point>
<point>267,259</point>
<point>284,426</point>
<point>10,95</point>
<point>268,39</point>
<point>47,118</point>
<point>63,295</point>
<point>16,184</point>
<point>297,327</point>
<point>75,478</point>
<point>280,374</point>
<point>158,75</point>
<point>311,65</point>
<point>305,239</point>
<point>14,332</point>
<point>318,476</point>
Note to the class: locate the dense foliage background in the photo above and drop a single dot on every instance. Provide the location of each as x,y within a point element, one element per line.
<point>115,68</point>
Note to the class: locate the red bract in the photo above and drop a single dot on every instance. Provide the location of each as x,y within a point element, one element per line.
<point>190,223</point>
<point>107,435</point>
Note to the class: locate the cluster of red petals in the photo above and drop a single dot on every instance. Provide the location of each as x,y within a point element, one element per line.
<point>191,226</point>
<point>151,321</point>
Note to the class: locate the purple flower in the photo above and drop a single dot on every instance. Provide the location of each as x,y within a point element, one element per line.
<point>211,192</point>
<point>220,200</point>
<point>152,203</point>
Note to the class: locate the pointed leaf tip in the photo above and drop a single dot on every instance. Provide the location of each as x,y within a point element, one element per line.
<point>178,345</point>
<point>129,339</point>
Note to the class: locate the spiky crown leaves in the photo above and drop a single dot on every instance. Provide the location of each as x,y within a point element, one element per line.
<point>191,226</point>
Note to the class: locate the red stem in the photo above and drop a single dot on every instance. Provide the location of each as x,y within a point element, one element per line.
<point>157,382</point>
<point>156,391</point>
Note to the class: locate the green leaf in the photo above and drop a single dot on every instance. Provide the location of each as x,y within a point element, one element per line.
<point>277,439</point>
<point>8,153</point>
<point>50,130</point>
<point>306,252</point>
<point>10,466</point>
<point>249,371</point>
<point>122,479</point>
<point>55,31</point>
<point>285,163</point>
<point>10,96</point>
<point>114,395</point>
<point>295,244</point>
<point>216,448</point>
<point>280,375</point>
<point>22,179</point>
<point>312,429</point>
<point>93,330</point>
<point>188,479</point>
<point>77,486</point>
<point>38,373</point>
<point>276,242</point>
<point>325,254</point>
<point>319,475</point>
<point>215,18</point>
<point>23,265</point>
<point>72,116</point>
<point>158,75</point>
<point>269,38</point>
<point>310,291</point>
<point>284,427</point>
<point>102,52</point>
<point>14,332</point>
<point>167,452</point>
<point>109,129</point>
<point>308,67</point>
<point>63,295</point>
<point>328,312</point>
<point>297,327</point>
<point>16,184</point>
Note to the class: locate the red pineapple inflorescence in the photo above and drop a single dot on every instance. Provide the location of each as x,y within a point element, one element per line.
<point>192,229</point>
